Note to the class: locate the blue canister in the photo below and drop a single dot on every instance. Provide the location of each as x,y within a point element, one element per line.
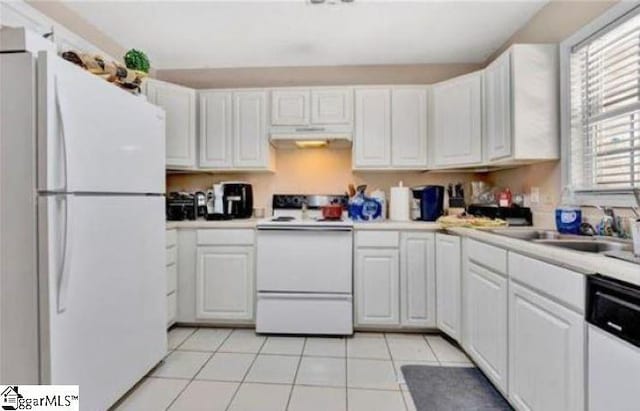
<point>568,220</point>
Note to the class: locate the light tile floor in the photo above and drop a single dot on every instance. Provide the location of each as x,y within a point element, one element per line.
<point>211,369</point>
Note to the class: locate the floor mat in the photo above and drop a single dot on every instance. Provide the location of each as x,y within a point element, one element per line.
<point>436,388</point>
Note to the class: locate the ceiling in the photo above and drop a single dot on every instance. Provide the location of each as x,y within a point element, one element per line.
<point>207,34</point>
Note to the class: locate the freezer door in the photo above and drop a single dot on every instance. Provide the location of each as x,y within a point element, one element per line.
<point>102,292</point>
<point>93,136</point>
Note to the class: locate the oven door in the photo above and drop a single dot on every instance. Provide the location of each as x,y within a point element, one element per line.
<point>305,260</point>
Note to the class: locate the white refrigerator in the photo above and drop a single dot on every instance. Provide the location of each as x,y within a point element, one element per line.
<point>82,178</point>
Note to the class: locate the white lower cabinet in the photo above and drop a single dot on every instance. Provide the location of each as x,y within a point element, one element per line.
<point>448,284</point>
<point>546,353</point>
<point>224,283</point>
<point>395,279</point>
<point>377,287</point>
<point>417,279</point>
<point>485,325</point>
<point>171,275</point>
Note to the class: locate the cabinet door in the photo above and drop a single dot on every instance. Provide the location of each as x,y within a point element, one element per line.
<point>376,293</point>
<point>290,107</point>
<point>216,129</point>
<point>457,108</point>
<point>409,127</point>
<point>497,98</point>
<point>485,322</point>
<point>250,137</point>
<point>417,280</point>
<point>224,283</point>
<point>546,353</point>
<point>331,106</point>
<point>372,139</point>
<point>179,104</point>
<point>448,284</point>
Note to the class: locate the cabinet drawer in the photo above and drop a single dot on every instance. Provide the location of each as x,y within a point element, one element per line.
<point>171,308</point>
<point>172,278</point>
<point>377,239</point>
<point>488,256</point>
<point>172,238</point>
<point>172,255</point>
<point>564,285</point>
<point>225,237</point>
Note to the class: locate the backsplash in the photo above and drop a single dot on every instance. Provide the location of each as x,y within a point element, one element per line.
<point>311,171</point>
<point>548,178</point>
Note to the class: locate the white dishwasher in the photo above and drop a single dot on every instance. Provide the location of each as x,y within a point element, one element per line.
<point>613,313</point>
<point>304,273</point>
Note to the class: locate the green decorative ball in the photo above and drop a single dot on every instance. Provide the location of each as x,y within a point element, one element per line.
<point>136,60</point>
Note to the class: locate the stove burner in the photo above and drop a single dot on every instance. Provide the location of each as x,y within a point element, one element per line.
<point>283,218</point>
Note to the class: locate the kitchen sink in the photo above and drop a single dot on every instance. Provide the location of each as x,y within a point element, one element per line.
<point>595,245</point>
<point>528,234</point>
<point>569,241</point>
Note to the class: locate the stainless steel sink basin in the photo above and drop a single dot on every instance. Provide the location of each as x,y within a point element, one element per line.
<point>528,234</point>
<point>590,246</point>
<point>568,241</point>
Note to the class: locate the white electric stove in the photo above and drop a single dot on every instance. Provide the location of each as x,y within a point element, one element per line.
<point>304,269</point>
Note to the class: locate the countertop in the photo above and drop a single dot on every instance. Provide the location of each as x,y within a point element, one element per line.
<point>586,263</point>
<point>244,223</point>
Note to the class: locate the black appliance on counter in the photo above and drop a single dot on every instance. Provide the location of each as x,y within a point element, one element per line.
<point>237,199</point>
<point>180,206</point>
<point>514,215</point>
<point>430,200</point>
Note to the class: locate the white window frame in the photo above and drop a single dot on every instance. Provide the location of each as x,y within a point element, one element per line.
<point>622,198</point>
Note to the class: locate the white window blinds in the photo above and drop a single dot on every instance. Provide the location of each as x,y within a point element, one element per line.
<point>605,109</point>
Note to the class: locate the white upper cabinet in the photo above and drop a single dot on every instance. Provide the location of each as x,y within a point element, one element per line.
<point>497,98</point>
<point>448,284</point>
<point>216,129</point>
<point>417,280</point>
<point>521,105</point>
<point>179,104</point>
<point>332,106</point>
<point>409,127</point>
<point>251,148</point>
<point>312,109</point>
<point>457,121</point>
<point>290,107</point>
<point>390,128</point>
<point>372,138</point>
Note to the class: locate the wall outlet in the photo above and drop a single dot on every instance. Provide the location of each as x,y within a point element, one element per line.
<point>534,197</point>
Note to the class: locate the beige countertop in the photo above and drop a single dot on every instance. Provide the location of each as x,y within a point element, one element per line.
<point>396,225</point>
<point>586,263</point>
<point>240,223</point>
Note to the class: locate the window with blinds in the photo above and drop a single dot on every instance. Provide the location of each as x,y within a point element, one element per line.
<point>605,109</point>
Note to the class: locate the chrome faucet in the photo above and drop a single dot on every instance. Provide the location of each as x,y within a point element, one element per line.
<point>614,227</point>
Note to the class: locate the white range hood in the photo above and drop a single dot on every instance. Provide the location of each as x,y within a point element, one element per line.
<point>312,137</point>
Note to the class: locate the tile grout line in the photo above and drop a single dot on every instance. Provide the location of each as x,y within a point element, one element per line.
<point>432,350</point>
<point>235,394</point>
<point>199,369</point>
<point>295,375</point>
<point>395,370</point>
<point>185,340</point>
<point>346,375</point>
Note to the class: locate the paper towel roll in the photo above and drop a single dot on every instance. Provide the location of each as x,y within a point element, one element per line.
<point>399,203</point>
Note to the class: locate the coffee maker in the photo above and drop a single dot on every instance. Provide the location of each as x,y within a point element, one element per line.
<point>430,202</point>
<point>237,199</point>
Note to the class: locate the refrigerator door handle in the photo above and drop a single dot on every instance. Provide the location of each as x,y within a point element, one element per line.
<point>65,151</point>
<point>65,266</point>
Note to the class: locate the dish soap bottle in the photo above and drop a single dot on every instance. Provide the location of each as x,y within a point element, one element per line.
<point>568,215</point>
